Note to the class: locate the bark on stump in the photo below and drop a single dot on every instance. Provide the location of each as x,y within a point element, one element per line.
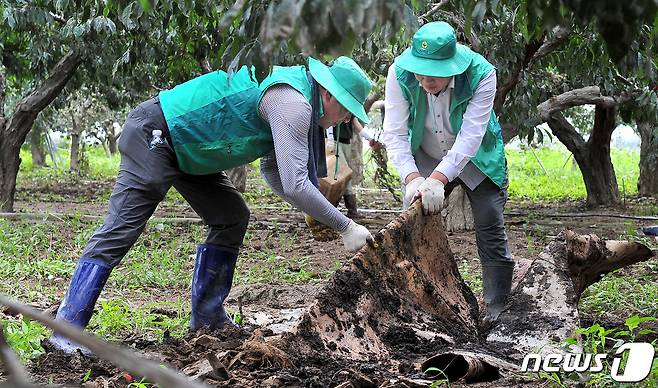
<point>403,295</point>
<point>404,299</point>
<point>543,309</point>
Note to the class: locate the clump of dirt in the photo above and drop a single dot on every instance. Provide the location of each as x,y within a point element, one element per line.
<point>56,367</point>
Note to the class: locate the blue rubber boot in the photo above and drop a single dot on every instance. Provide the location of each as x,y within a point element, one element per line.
<point>78,304</point>
<point>211,283</point>
<point>650,230</point>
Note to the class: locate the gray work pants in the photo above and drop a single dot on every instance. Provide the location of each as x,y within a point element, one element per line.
<point>487,204</point>
<point>145,176</point>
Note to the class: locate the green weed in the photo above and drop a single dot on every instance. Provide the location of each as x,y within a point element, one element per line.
<point>616,294</point>
<point>596,339</point>
<point>141,384</point>
<point>25,337</point>
<point>117,318</point>
<point>437,372</point>
<point>472,278</point>
<point>87,376</point>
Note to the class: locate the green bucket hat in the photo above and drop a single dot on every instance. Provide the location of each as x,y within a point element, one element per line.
<point>435,52</point>
<point>346,81</point>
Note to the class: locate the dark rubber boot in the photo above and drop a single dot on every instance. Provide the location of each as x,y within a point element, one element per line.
<point>350,205</point>
<point>650,230</point>
<point>211,283</point>
<point>497,283</point>
<point>78,304</point>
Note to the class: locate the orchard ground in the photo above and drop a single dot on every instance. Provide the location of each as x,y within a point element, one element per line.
<point>281,268</point>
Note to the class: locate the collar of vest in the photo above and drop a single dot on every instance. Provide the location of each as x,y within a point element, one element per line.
<point>462,91</point>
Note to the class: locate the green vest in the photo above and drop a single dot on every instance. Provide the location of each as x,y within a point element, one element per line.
<point>213,119</point>
<point>490,158</point>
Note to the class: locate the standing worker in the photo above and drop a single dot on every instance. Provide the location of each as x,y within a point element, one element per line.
<point>339,139</point>
<point>186,137</point>
<point>440,131</point>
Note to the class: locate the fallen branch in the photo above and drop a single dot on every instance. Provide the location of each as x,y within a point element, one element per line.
<point>119,356</point>
<point>44,217</point>
<point>580,215</point>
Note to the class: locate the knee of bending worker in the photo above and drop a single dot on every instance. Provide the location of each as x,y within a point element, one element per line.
<point>243,219</point>
<point>239,219</point>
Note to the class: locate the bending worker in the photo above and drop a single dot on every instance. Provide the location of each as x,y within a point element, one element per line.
<point>440,131</point>
<point>186,137</point>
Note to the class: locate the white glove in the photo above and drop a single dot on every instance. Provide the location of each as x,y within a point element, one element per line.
<point>411,189</point>
<point>432,193</point>
<point>355,236</point>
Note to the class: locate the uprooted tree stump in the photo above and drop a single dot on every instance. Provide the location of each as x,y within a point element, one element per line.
<point>404,299</point>
<point>402,296</point>
<point>544,306</point>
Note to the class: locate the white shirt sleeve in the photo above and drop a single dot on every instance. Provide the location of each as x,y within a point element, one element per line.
<point>474,126</point>
<point>396,130</point>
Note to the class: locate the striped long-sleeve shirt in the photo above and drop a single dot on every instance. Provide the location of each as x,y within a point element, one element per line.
<point>285,169</point>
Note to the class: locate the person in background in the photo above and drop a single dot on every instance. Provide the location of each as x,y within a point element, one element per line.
<point>440,131</point>
<point>339,139</point>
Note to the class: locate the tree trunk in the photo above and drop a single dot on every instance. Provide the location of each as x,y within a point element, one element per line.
<point>110,137</point>
<point>593,156</point>
<point>647,184</point>
<point>597,169</point>
<point>238,175</point>
<point>75,145</point>
<point>36,145</point>
<point>371,99</point>
<point>14,131</point>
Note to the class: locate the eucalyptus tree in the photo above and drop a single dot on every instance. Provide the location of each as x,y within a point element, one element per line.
<point>129,49</point>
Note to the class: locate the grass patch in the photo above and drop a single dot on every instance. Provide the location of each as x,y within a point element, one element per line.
<point>472,277</point>
<point>562,179</point>
<point>617,294</point>
<point>265,266</point>
<point>24,336</point>
<point>116,319</point>
<point>101,166</point>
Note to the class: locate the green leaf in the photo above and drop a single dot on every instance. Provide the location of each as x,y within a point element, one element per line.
<point>60,5</point>
<point>632,322</point>
<point>479,11</point>
<point>78,31</point>
<point>10,19</point>
<point>146,6</point>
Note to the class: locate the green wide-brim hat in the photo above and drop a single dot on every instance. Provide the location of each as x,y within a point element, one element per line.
<point>435,52</point>
<point>346,81</point>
